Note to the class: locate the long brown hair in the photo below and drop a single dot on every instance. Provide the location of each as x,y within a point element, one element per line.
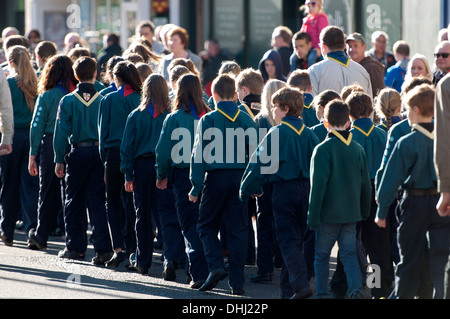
<point>26,76</point>
<point>57,70</point>
<point>155,91</point>
<point>189,92</point>
<point>128,74</point>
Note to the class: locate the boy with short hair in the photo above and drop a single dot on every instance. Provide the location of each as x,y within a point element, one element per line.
<point>290,181</point>
<point>411,168</point>
<point>217,165</point>
<point>376,241</point>
<point>334,210</point>
<point>249,86</point>
<point>301,80</point>
<point>76,123</point>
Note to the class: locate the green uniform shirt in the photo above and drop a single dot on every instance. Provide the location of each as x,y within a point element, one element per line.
<point>220,142</point>
<point>76,120</point>
<point>22,114</point>
<point>44,116</point>
<point>114,110</point>
<point>141,134</point>
<point>309,113</point>
<point>284,154</point>
<point>340,182</point>
<point>111,88</point>
<point>174,147</point>
<point>373,141</point>
<point>320,131</point>
<point>410,166</point>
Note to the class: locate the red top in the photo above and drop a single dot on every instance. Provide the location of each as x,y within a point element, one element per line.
<point>313,25</point>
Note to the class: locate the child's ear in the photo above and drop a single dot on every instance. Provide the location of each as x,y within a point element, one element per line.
<point>326,124</point>
<point>347,125</point>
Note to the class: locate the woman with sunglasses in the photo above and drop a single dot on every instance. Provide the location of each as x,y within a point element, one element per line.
<point>314,22</point>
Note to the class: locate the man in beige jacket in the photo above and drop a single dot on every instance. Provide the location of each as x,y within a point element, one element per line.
<point>442,156</point>
<point>6,116</point>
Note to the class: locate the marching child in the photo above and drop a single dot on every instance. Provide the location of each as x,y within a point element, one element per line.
<point>320,101</point>
<point>76,123</point>
<point>290,186</point>
<point>388,107</point>
<point>217,175</point>
<point>376,241</point>
<point>301,80</point>
<point>114,110</point>
<point>57,79</point>
<point>249,86</point>
<point>137,154</point>
<point>108,77</point>
<point>188,108</point>
<point>411,168</point>
<point>334,210</point>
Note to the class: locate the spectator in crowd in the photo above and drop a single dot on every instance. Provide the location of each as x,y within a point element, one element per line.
<point>395,75</point>
<point>178,45</point>
<point>146,29</point>
<point>282,42</point>
<point>337,70</point>
<point>315,22</point>
<point>442,54</point>
<point>356,48</point>
<point>271,66</point>
<point>418,66</point>
<point>111,47</point>
<point>379,51</point>
<point>304,54</point>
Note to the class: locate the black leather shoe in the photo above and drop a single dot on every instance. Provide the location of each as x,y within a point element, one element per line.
<point>169,273</point>
<point>197,284</point>
<point>6,240</point>
<point>71,254</point>
<point>115,260</point>
<point>101,257</point>
<point>213,279</point>
<point>261,277</point>
<point>139,269</point>
<point>302,293</point>
<point>33,241</point>
<point>237,292</point>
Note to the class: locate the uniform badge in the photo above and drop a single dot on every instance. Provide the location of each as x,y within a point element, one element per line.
<point>256,106</point>
<point>86,97</point>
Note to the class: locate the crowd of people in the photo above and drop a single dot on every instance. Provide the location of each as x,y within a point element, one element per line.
<point>99,140</point>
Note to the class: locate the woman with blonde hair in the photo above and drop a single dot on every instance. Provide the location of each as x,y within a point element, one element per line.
<point>19,190</point>
<point>418,66</point>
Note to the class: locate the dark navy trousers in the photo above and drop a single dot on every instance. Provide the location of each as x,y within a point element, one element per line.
<point>220,205</point>
<point>85,177</point>
<point>119,203</point>
<point>19,190</point>
<point>188,218</point>
<point>290,207</point>
<point>265,231</point>
<point>51,195</point>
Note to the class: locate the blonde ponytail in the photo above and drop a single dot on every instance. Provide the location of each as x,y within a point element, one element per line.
<point>27,78</point>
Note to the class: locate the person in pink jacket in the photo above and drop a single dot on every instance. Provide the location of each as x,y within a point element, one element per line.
<point>315,21</point>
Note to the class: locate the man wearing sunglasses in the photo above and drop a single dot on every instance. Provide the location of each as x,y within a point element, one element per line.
<point>442,58</point>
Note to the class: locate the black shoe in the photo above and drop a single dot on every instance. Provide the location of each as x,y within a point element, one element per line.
<point>261,277</point>
<point>8,241</point>
<point>197,284</point>
<point>101,257</point>
<point>71,254</point>
<point>169,273</point>
<point>33,242</point>
<point>237,292</point>
<point>213,279</point>
<point>115,260</point>
<point>303,293</point>
<point>139,269</point>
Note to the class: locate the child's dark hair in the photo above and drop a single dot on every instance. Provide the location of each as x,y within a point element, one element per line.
<point>360,105</point>
<point>45,50</point>
<point>85,68</point>
<point>230,67</point>
<point>184,62</point>
<point>108,75</point>
<point>291,99</point>
<point>422,96</point>
<point>300,79</point>
<point>349,89</point>
<point>224,87</point>
<point>128,74</point>
<point>325,97</point>
<point>155,91</point>
<point>177,72</point>
<point>144,70</point>
<point>76,53</point>
<point>337,113</point>
<point>414,82</point>
<point>189,92</point>
<point>58,70</point>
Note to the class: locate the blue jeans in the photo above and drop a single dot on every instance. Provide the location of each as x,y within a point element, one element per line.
<point>326,237</point>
